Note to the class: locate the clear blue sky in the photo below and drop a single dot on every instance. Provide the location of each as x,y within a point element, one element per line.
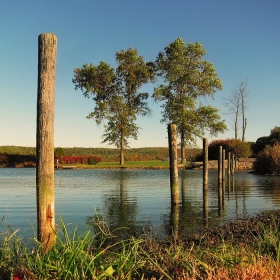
<point>242,39</point>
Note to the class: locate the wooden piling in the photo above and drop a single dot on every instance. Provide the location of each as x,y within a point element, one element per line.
<point>220,167</point>
<point>233,165</point>
<point>224,165</point>
<point>205,163</point>
<point>229,164</point>
<point>173,163</point>
<point>47,46</point>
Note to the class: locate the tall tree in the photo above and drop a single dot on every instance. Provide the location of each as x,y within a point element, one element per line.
<point>236,105</point>
<point>186,79</point>
<point>116,96</point>
<point>243,94</point>
<point>232,104</point>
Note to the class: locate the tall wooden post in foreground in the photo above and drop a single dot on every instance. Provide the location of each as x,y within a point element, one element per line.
<point>47,46</point>
<point>205,163</point>
<point>173,163</point>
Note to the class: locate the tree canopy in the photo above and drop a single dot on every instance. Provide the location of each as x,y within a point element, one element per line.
<point>271,140</point>
<point>187,78</point>
<point>116,95</point>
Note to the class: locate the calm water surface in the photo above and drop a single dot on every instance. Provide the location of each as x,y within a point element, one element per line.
<point>137,199</point>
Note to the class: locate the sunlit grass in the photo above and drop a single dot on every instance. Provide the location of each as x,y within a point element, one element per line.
<point>97,254</point>
<point>129,164</point>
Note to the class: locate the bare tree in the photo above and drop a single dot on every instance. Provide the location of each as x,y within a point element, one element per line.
<point>232,104</point>
<point>243,96</point>
<point>236,105</point>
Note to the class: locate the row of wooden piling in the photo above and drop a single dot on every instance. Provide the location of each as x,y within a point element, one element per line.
<point>224,164</point>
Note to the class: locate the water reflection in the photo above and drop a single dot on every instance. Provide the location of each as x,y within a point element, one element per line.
<point>139,200</point>
<point>205,207</point>
<point>119,208</point>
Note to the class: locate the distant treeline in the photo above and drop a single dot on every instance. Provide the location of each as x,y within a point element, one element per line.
<point>14,160</point>
<point>106,154</point>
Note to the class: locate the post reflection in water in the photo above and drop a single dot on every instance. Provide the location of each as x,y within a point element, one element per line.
<point>220,199</point>
<point>138,200</point>
<point>205,207</point>
<point>197,208</point>
<point>120,210</point>
<point>174,221</point>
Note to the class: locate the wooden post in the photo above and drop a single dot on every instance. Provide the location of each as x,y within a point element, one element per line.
<point>220,163</point>
<point>205,163</point>
<point>47,46</point>
<point>224,165</point>
<point>233,164</point>
<point>228,164</point>
<point>173,164</point>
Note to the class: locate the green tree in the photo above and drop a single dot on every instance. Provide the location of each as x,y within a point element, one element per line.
<point>271,140</point>
<point>59,152</point>
<point>186,79</point>
<point>116,96</point>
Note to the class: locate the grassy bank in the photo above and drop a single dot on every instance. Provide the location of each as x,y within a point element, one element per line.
<point>243,249</point>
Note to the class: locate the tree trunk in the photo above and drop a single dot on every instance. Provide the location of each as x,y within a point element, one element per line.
<point>244,128</point>
<point>47,46</point>
<point>243,88</point>
<point>122,150</point>
<point>236,125</point>
<point>183,149</point>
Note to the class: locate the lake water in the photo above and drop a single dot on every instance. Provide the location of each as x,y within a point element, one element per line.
<point>137,199</point>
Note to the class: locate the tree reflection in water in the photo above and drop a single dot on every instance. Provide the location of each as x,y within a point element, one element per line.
<point>119,209</point>
<point>197,208</point>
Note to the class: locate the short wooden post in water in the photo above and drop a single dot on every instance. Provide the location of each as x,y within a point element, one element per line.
<point>233,164</point>
<point>224,170</point>
<point>205,163</point>
<point>236,163</point>
<point>220,165</point>
<point>173,163</point>
<point>228,164</point>
<point>224,164</point>
<point>47,46</point>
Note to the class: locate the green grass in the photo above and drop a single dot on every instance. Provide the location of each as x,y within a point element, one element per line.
<point>157,164</point>
<point>101,255</point>
<point>137,163</point>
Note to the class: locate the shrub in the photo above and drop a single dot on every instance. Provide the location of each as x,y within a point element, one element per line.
<point>79,159</point>
<point>268,161</point>
<point>15,160</point>
<point>192,154</point>
<point>235,146</point>
<point>93,160</point>
<point>270,140</point>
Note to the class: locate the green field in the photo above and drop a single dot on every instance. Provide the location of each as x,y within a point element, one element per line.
<point>157,164</point>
